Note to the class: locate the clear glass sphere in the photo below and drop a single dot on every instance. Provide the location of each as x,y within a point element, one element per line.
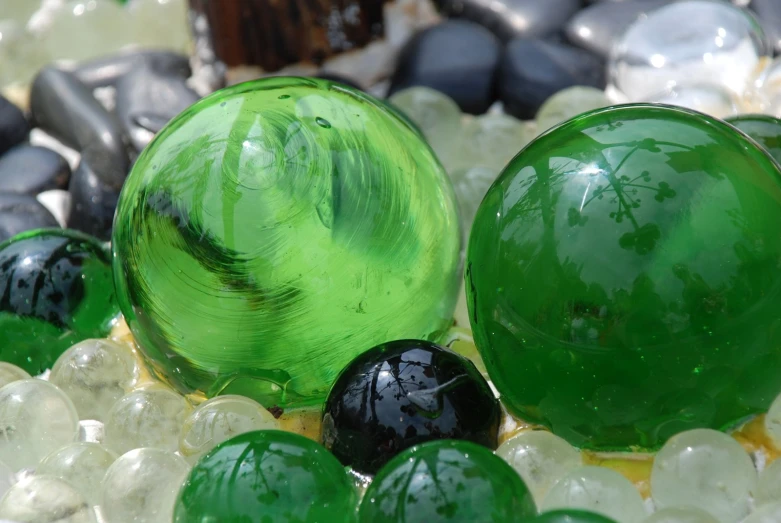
<point>770,513</point>
<point>161,24</point>
<point>40,498</point>
<point>681,515</point>
<point>768,488</point>
<point>667,48</point>
<point>150,417</point>
<point>37,418</point>
<point>569,103</point>
<point>142,485</point>
<point>769,87</point>
<point>470,186</point>
<point>489,140</point>
<point>218,420</point>
<point>541,458</point>
<point>706,469</point>
<point>597,489</point>
<point>773,421</point>
<point>81,464</point>
<point>10,372</point>
<point>713,99</point>
<point>95,374</point>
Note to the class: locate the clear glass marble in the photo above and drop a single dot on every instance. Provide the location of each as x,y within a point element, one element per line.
<point>706,469</point>
<point>681,514</point>
<point>141,486</point>
<point>725,46</point>
<point>489,140</point>
<point>37,419</point>
<point>45,499</point>
<point>21,54</point>
<point>470,185</point>
<point>713,99</point>
<point>161,24</point>
<point>773,421</point>
<point>770,513</point>
<point>768,488</point>
<point>541,458</point>
<point>81,464</point>
<point>150,417</point>
<point>569,103</point>
<point>597,489</point>
<point>218,420</point>
<point>95,374</point>
<point>769,86</point>
<point>10,372</point>
<point>7,478</point>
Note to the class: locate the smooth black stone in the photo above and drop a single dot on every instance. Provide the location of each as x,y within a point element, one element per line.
<point>20,212</point>
<point>106,71</point>
<point>31,169</point>
<point>510,19</point>
<point>333,77</point>
<point>531,71</point>
<point>65,108</point>
<point>768,13</point>
<point>14,127</point>
<point>93,202</point>
<point>457,58</point>
<point>404,393</point>
<point>147,99</point>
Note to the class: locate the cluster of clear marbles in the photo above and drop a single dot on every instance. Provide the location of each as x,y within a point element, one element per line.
<point>36,32</point>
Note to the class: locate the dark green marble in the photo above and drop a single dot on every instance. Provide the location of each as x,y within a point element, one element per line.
<point>447,481</point>
<point>570,516</point>
<point>764,129</point>
<point>56,289</point>
<point>623,277</point>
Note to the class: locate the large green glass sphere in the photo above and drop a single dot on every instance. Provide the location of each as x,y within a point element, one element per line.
<point>275,230</point>
<point>624,277</point>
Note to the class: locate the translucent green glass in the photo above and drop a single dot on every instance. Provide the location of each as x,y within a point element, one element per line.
<point>277,229</point>
<point>764,129</point>
<point>623,277</point>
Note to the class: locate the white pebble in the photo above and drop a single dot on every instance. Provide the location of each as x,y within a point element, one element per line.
<point>491,141</point>
<point>45,499</point>
<point>10,372</point>
<point>599,490</point>
<point>681,515</point>
<point>770,513</point>
<point>83,465</point>
<point>773,421</point>
<point>706,469</point>
<point>95,374</point>
<point>568,103</point>
<point>150,417</point>
<point>36,419</point>
<point>141,486</point>
<point>768,488</point>
<point>541,458</point>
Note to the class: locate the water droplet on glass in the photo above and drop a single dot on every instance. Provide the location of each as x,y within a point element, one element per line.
<point>322,122</point>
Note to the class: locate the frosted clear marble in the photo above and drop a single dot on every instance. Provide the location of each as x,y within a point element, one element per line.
<point>768,488</point>
<point>21,55</point>
<point>569,103</point>
<point>19,11</point>
<point>470,186</point>
<point>437,116</point>
<point>597,489</point>
<point>773,421</point>
<point>150,417</point>
<point>95,374</point>
<point>83,29</point>
<point>37,418</point>
<point>141,486</point>
<point>706,469</point>
<point>161,24</point>
<point>769,87</point>
<point>681,515</point>
<point>713,99</point>
<point>7,478</point>
<point>10,372</point>
<point>540,458</point>
<point>489,141</point>
<point>45,499</point>
<point>770,513</point>
<point>81,464</point>
<point>218,420</point>
<point>657,52</point>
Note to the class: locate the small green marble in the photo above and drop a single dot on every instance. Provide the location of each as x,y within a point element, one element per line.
<point>56,289</point>
<point>571,516</point>
<point>275,230</point>
<point>623,277</point>
<point>264,476</point>
<point>447,481</point>
<point>763,129</point>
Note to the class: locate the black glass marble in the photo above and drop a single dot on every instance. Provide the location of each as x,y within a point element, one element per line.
<point>405,393</point>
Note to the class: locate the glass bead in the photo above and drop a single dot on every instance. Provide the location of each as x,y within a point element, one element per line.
<point>37,418</point>
<point>149,417</point>
<point>712,99</point>
<point>571,516</point>
<point>681,514</point>
<point>597,489</point>
<point>568,103</point>
<point>284,477</point>
<point>7,478</point>
<point>300,219</point>
<point>81,464</point>
<point>219,419</point>
<point>57,290</point>
<point>41,498</point>
<point>490,141</point>
<point>764,129</point>
<point>446,480</point>
<point>768,488</point>
<point>95,374</point>
<point>141,486</point>
<point>664,49</point>
<point>706,469</point>
<point>10,372</point>
<point>161,24</point>
<point>773,421</point>
<point>471,185</point>
<point>770,513</point>
<point>625,315</point>
<point>20,53</point>
<point>541,458</point>
<point>404,393</point>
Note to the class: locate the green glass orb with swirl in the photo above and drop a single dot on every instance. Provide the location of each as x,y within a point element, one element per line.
<point>624,277</point>
<point>275,230</point>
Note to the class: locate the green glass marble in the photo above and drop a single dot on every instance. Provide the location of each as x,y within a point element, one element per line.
<point>447,481</point>
<point>56,289</point>
<point>267,475</point>
<point>623,277</point>
<point>275,230</point>
<point>764,129</point>
<point>571,516</point>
